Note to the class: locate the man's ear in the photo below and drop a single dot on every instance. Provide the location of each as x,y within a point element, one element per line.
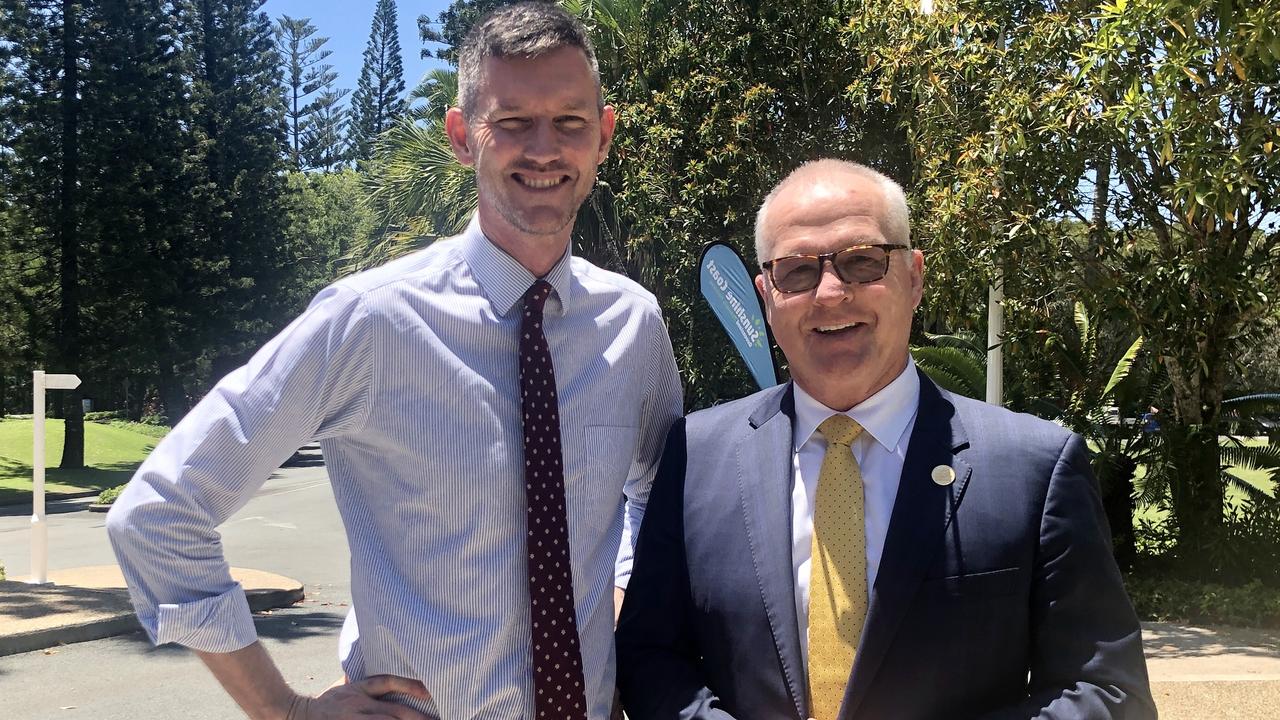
<point>455,126</point>
<point>608,119</point>
<point>764,295</point>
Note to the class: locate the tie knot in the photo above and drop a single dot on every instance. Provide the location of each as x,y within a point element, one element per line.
<point>536,297</point>
<point>840,429</point>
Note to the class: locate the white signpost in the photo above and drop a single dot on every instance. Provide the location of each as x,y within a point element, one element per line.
<point>39,527</point>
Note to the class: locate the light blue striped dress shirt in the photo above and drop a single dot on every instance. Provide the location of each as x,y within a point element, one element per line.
<point>408,377</point>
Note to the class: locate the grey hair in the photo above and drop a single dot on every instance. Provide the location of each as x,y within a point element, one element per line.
<point>896,223</point>
<point>522,30</point>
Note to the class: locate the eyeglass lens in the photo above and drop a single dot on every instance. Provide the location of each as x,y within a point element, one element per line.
<point>803,272</point>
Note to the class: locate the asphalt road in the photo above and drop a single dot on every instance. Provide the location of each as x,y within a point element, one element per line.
<point>291,527</point>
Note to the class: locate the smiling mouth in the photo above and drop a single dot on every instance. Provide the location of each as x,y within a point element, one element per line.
<point>540,183</point>
<point>835,329</point>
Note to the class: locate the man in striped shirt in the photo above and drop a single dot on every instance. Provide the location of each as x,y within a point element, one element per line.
<point>409,377</point>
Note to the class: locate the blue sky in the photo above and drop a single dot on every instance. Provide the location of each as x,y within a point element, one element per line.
<point>346,23</point>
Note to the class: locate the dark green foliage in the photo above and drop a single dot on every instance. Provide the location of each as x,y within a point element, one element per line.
<point>178,190</point>
<point>956,362</point>
<point>727,99</point>
<point>327,214</point>
<point>452,26</point>
<point>1235,580</point>
<point>377,102</point>
<point>1168,599</point>
<point>1246,549</point>
<point>240,182</point>
<point>43,108</point>
<point>139,186</point>
<point>108,496</point>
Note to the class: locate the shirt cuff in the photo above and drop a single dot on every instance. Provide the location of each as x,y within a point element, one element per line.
<point>218,624</point>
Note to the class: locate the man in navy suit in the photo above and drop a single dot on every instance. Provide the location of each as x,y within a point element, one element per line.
<point>954,561</point>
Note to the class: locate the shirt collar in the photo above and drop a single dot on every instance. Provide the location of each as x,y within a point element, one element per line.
<point>884,416</point>
<point>502,280</point>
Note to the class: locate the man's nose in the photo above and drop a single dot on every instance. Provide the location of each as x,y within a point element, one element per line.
<point>544,144</point>
<point>831,289</point>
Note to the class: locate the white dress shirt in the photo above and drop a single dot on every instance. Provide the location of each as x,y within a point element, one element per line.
<point>408,376</point>
<point>887,419</point>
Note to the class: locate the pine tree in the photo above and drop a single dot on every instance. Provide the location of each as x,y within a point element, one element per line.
<point>144,283</point>
<point>15,308</point>
<point>324,144</point>
<point>44,103</point>
<point>377,102</point>
<point>240,133</point>
<point>305,73</point>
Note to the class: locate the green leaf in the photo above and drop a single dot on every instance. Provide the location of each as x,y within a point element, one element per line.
<point>1123,367</point>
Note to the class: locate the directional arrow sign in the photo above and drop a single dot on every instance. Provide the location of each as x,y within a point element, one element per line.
<point>61,382</point>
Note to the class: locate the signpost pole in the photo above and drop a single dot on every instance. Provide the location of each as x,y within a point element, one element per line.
<point>39,524</point>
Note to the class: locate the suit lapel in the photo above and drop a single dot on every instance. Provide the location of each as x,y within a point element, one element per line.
<point>764,486</point>
<point>922,510</point>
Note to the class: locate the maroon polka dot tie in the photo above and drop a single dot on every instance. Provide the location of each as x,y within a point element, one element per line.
<point>557,663</point>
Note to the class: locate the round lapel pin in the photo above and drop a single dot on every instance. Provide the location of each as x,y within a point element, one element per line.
<point>943,475</point>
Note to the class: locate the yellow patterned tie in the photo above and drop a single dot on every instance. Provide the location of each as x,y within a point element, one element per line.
<point>838,570</point>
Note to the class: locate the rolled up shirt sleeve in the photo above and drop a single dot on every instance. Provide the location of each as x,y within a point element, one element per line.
<point>312,381</point>
<point>663,404</point>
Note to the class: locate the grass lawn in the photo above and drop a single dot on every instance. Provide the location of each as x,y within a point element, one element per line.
<point>112,452</point>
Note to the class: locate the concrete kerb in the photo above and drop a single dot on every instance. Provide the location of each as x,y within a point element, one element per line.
<point>91,603</point>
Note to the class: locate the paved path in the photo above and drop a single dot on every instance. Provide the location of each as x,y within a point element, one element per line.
<point>293,528</point>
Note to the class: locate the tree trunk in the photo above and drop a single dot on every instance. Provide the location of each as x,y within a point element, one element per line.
<point>173,396</point>
<point>1115,480</point>
<point>1101,199</point>
<point>69,276</point>
<point>1197,493</point>
<point>1196,486</point>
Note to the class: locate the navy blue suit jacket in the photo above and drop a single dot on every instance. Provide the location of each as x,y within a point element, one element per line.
<point>997,595</point>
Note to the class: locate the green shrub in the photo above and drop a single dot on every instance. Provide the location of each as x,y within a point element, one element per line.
<point>150,430</point>
<point>154,419</point>
<point>1187,601</point>
<point>103,415</point>
<point>1246,548</point>
<point>108,496</point>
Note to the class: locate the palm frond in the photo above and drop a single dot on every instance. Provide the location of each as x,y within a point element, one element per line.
<point>418,191</point>
<point>960,341</point>
<point>1245,487</point>
<point>437,91</point>
<point>1252,457</point>
<point>961,367</point>
<point>949,381</point>
<point>417,176</point>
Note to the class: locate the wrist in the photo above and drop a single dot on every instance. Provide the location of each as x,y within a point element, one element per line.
<point>288,705</point>
<point>298,707</point>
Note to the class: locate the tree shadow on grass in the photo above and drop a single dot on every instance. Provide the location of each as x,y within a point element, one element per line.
<point>15,480</point>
